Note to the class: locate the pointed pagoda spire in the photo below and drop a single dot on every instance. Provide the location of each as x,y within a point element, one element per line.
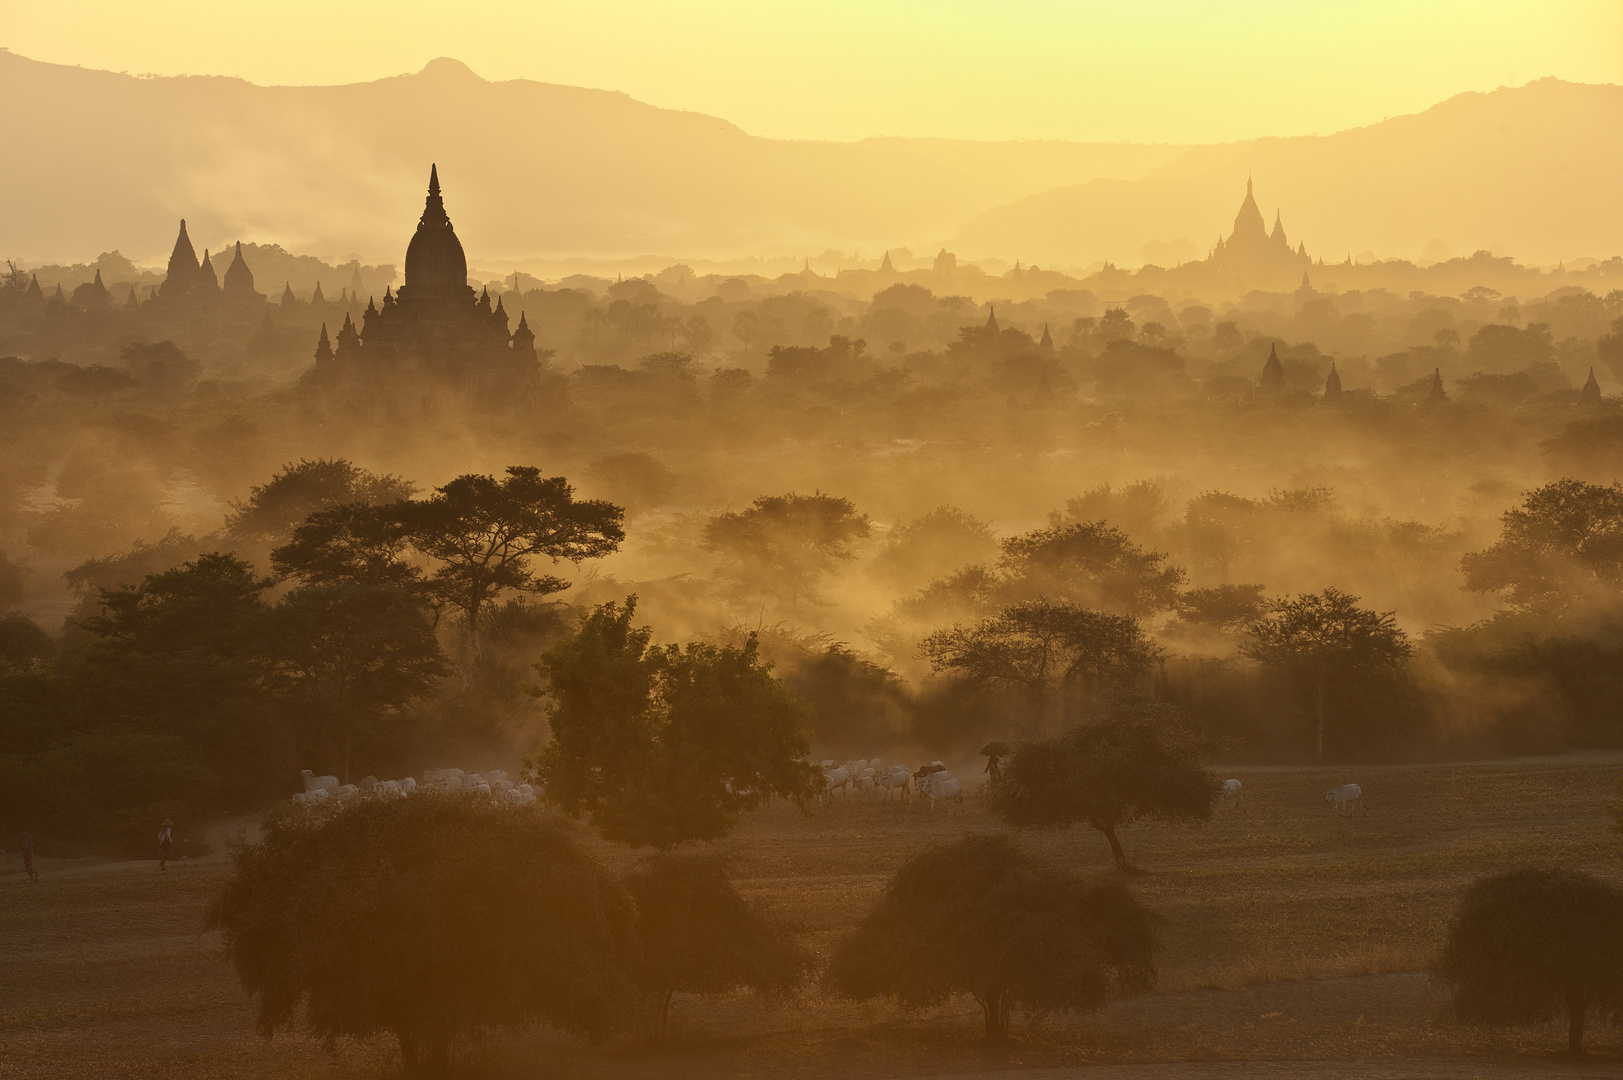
<point>885,267</point>
<point>1436,394</point>
<point>524,339</point>
<point>1332,385</point>
<point>991,318</point>
<point>182,273</point>
<point>287,295</point>
<point>132,301</point>
<point>434,214</point>
<point>34,291</point>
<point>355,285</point>
<point>1047,342</point>
<point>1307,283</point>
<point>1590,395</point>
<point>1273,372</point>
<point>317,298</point>
<point>324,353</point>
<point>58,297</point>
<point>206,278</point>
<point>239,280</point>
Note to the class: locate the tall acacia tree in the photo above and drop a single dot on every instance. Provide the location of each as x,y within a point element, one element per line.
<point>1562,548</point>
<point>480,537</point>
<point>1319,640</point>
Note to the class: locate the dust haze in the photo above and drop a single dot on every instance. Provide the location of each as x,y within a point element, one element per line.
<point>1297,454</point>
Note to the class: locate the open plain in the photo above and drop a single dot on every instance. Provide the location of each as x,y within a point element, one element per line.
<point>1295,944</point>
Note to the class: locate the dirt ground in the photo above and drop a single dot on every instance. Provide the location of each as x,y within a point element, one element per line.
<point>1295,943</point>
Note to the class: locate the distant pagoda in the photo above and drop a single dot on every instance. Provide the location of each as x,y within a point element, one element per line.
<point>431,344</point>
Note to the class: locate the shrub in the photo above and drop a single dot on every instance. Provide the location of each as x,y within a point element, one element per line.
<point>430,917</point>
<point>699,936</point>
<point>983,917</point>
<point>1528,944</point>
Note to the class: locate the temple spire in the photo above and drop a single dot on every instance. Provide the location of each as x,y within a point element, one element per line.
<point>991,318</point>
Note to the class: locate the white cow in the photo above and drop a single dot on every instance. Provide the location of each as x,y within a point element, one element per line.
<point>833,780</point>
<point>312,782</point>
<point>1232,794</point>
<point>943,786</point>
<point>1346,796</point>
<point>893,778</point>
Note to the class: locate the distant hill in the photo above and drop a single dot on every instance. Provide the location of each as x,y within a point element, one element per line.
<point>97,160</point>
<point>1532,170</point>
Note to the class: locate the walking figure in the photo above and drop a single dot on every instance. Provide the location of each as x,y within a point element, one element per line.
<point>166,844</point>
<point>995,752</point>
<point>28,858</point>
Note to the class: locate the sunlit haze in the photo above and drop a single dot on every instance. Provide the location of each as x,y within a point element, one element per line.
<point>1157,71</point>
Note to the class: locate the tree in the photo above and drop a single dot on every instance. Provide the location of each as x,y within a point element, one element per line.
<point>273,510</point>
<point>1558,552</point>
<point>352,544</point>
<point>983,917</point>
<point>210,605</point>
<point>665,745</point>
<point>1527,944</point>
<point>784,545</point>
<point>699,936</point>
<point>1091,563</point>
<point>481,533</point>
<point>1321,640</point>
<point>1045,650</point>
<point>937,543</point>
<point>485,533</point>
<point>344,656</point>
<point>431,918</point>
<point>1141,762</point>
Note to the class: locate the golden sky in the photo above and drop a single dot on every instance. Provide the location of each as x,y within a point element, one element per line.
<point>1139,70</point>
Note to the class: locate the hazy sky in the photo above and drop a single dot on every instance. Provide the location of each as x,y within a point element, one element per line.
<point>1141,70</point>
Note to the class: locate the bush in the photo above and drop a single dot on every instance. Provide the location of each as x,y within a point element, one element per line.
<point>700,937</point>
<point>430,917</point>
<point>983,917</point>
<point>1528,944</point>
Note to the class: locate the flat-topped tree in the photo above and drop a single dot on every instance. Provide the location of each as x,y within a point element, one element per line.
<point>1139,762</point>
<point>486,535</point>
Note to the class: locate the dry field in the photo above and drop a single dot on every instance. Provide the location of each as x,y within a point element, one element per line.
<point>1294,946</point>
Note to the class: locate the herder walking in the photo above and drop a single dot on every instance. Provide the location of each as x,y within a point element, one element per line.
<point>166,844</point>
<point>28,857</point>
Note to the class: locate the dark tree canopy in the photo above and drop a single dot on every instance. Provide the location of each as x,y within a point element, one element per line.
<point>1046,650</point>
<point>699,936</point>
<point>1560,551</point>
<point>346,656</point>
<point>665,744</point>
<point>275,508</point>
<point>1527,945</point>
<point>1324,640</point>
<point>934,545</point>
<point>210,605</point>
<point>432,918</point>
<point>1092,564</point>
<point>1141,762</point>
<point>481,537</point>
<point>484,534</point>
<point>983,917</point>
<point>784,545</point>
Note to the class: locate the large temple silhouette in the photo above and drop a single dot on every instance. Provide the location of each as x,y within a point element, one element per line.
<point>432,344</point>
<point>1257,256</point>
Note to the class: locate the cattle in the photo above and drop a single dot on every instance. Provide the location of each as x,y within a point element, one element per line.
<point>312,782</point>
<point>833,780</point>
<point>1231,794</point>
<point>894,778</point>
<point>942,786</point>
<point>1346,796</point>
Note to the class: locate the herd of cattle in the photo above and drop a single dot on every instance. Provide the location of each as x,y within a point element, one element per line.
<point>493,784</point>
<point>869,776</point>
<point>863,776</point>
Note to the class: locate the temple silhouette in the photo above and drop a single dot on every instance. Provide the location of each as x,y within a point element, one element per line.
<point>1256,255</point>
<point>432,344</point>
